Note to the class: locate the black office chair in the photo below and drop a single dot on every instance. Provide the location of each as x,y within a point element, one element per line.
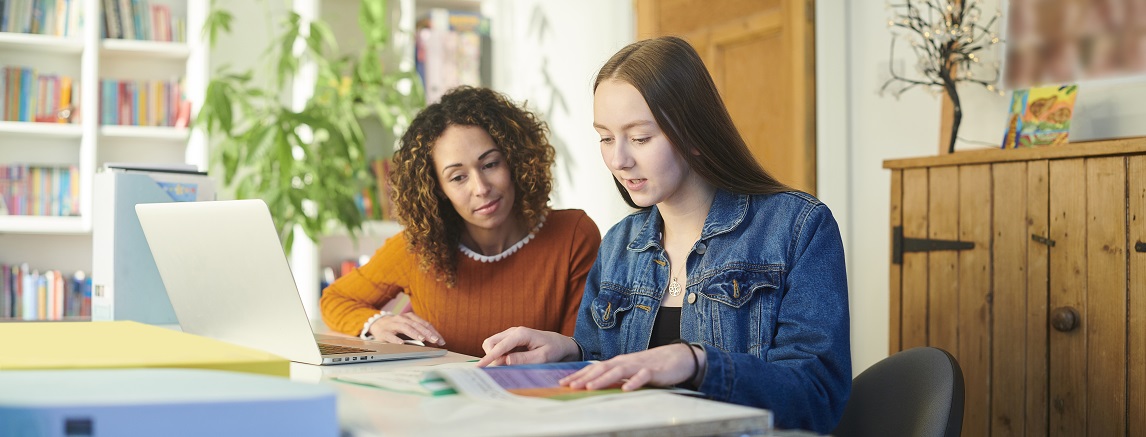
<point>914,393</point>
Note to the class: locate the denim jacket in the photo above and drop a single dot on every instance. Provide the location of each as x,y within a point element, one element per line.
<point>766,297</point>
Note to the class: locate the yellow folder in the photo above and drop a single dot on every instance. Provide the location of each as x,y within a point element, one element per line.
<point>120,344</point>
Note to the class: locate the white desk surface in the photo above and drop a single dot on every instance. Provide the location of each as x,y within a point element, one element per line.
<point>366,411</point>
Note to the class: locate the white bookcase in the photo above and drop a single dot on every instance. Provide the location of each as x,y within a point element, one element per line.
<point>64,243</point>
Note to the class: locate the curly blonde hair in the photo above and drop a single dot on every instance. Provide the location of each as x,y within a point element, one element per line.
<point>432,227</point>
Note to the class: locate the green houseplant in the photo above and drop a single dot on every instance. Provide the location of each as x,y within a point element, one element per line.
<point>309,164</point>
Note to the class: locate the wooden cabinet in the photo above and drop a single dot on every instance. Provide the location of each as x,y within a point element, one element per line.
<point>1030,267</point>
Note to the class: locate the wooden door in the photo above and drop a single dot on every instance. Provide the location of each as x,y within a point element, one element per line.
<point>761,56</point>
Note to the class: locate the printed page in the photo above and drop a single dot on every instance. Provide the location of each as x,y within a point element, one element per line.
<point>419,380</point>
<point>529,383</point>
<point>475,383</point>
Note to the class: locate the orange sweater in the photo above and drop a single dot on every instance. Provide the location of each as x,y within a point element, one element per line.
<point>539,286</point>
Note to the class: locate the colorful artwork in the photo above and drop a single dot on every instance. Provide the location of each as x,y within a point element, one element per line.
<point>1040,116</point>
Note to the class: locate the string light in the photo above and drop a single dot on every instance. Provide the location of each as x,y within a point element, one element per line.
<point>952,34</point>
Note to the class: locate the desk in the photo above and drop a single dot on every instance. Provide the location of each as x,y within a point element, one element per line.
<point>365,411</point>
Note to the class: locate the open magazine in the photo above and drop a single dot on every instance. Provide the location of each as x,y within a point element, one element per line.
<point>524,383</point>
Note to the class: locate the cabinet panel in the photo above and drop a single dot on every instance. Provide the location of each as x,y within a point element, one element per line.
<point>1009,264</point>
<point>1106,295</point>
<point>1068,293</point>
<point>943,275</point>
<point>1038,264</point>
<point>1136,423</point>
<point>974,293</point>
<point>895,296</point>
<point>914,263</point>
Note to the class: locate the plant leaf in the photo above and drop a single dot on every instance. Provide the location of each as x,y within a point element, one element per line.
<point>256,133</point>
<point>372,22</point>
<point>218,20</point>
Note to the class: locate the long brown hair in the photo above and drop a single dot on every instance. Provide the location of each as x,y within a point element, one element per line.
<point>431,225</point>
<point>670,75</point>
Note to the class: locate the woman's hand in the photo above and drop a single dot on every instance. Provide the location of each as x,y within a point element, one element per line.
<point>663,366</point>
<point>520,345</point>
<point>387,329</point>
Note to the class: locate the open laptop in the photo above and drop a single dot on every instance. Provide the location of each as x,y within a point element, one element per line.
<point>228,279</point>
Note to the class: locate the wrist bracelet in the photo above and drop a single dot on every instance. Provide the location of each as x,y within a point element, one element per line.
<point>365,335</point>
<point>691,381</point>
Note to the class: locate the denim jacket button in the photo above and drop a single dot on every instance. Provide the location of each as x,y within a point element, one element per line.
<point>701,248</point>
<point>692,298</point>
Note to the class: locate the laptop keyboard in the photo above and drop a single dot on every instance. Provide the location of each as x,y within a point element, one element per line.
<point>332,349</point>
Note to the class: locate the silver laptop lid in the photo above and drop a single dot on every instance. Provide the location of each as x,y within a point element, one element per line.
<point>227,276</point>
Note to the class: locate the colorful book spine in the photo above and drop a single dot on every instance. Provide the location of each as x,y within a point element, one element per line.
<point>29,293</point>
<point>30,96</point>
<point>5,291</point>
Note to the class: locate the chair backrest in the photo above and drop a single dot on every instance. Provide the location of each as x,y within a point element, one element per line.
<point>917,392</point>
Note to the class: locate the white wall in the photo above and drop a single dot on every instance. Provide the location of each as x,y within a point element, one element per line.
<point>547,53</point>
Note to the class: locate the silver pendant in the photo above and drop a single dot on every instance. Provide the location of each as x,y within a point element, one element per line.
<point>674,288</point>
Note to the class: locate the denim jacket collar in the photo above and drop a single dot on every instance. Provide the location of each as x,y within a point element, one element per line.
<point>726,213</point>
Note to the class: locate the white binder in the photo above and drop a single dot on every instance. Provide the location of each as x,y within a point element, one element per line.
<point>125,282</point>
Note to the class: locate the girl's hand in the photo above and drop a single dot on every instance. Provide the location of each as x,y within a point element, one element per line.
<point>520,345</point>
<point>663,366</point>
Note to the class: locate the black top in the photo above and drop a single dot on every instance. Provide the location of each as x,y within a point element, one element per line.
<point>666,327</point>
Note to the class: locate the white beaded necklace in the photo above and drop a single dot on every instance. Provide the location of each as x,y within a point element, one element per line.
<point>495,258</point>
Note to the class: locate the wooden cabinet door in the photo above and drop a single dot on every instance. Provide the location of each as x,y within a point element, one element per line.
<point>1088,278</point>
<point>761,56</point>
<point>1018,340</point>
<point>944,296</point>
<point>1063,351</point>
<point>1136,405</point>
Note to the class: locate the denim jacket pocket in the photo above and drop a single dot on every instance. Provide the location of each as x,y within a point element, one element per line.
<point>608,306</point>
<point>740,306</point>
<point>737,287</point>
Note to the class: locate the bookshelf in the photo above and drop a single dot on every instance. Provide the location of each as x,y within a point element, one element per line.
<point>81,52</point>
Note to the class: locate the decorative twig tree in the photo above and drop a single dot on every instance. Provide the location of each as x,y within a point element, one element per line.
<point>946,36</point>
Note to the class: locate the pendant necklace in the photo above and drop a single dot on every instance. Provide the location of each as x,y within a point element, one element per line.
<point>674,286</point>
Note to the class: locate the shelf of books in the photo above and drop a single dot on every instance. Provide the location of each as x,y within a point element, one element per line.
<point>42,43</point>
<point>160,133</point>
<point>28,294</point>
<point>154,49</point>
<point>43,225</point>
<point>43,130</point>
<point>83,83</point>
<point>452,48</point>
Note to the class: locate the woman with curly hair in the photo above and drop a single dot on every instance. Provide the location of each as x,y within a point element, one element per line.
<point>480,250</point>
